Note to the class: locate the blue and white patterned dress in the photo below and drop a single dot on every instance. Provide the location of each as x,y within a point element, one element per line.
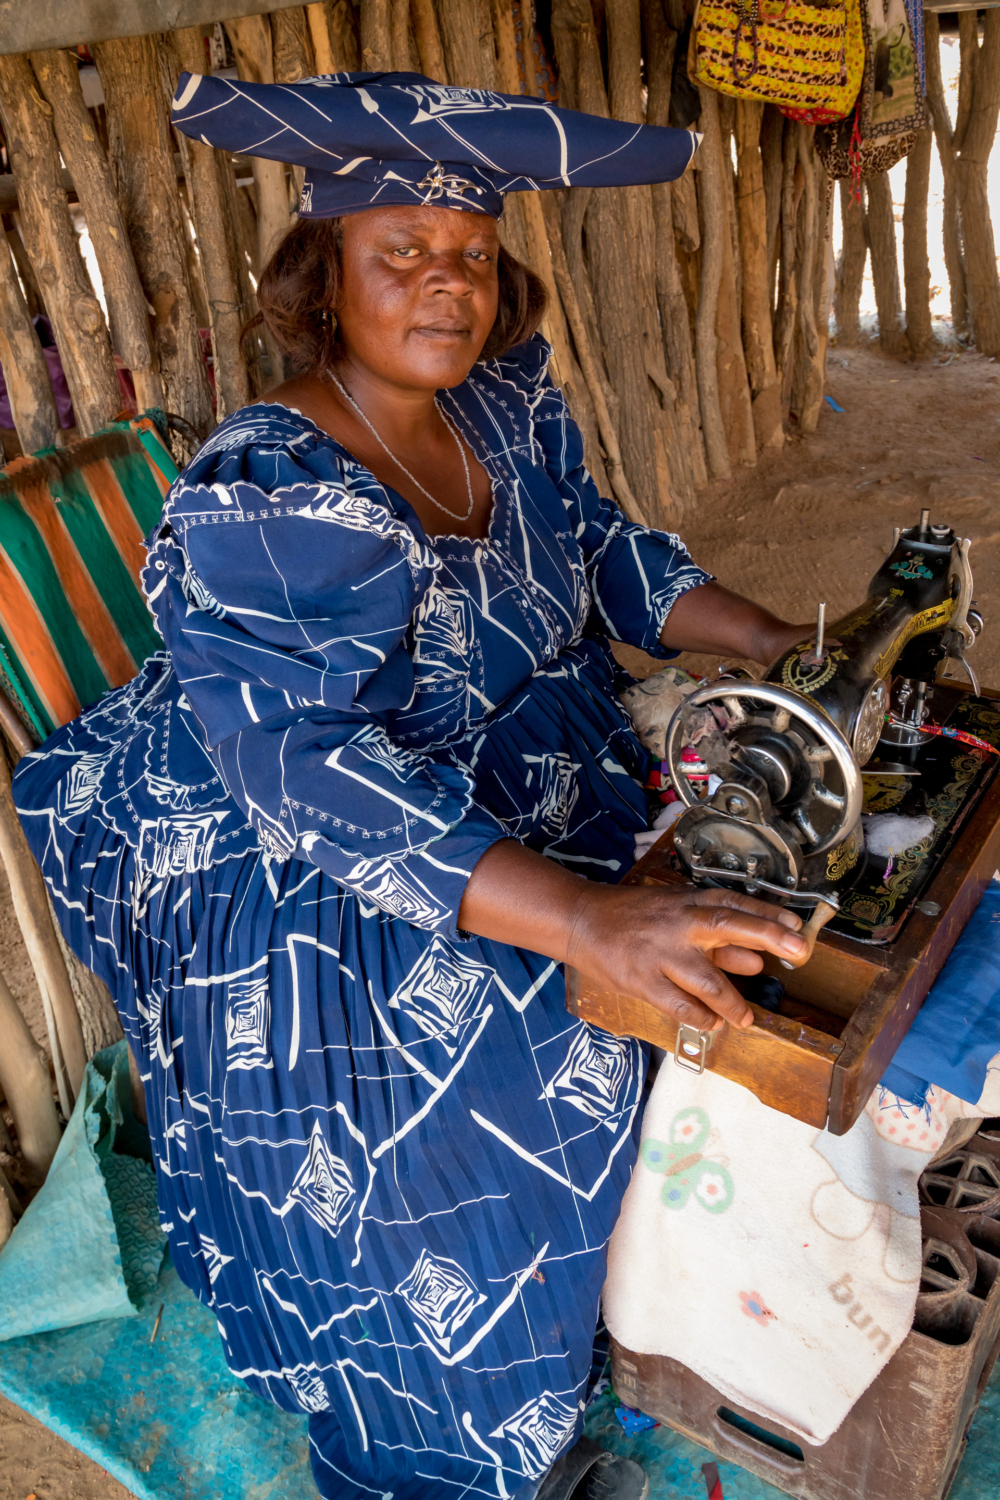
<point>388,1158</point>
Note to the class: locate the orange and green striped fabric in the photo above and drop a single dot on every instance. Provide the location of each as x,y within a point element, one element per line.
<point>73,622</point>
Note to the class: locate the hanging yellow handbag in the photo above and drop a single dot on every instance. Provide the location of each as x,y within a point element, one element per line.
<point>805,58</point>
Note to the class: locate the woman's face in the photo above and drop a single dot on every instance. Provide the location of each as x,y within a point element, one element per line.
<point>418,294</point>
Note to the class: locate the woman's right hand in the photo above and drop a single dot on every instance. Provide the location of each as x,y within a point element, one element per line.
<point>667,947</point>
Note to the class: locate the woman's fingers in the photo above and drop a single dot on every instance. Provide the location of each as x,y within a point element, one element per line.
<point>698,976</point>
<point>737,960</point>
<point>685,1010</point>
<point>749,904</point>
<point>723,926</point>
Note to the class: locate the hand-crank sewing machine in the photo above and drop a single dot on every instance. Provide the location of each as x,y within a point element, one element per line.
<point>856,720</point>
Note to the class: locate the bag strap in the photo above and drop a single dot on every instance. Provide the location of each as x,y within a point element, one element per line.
<point>749,13</point>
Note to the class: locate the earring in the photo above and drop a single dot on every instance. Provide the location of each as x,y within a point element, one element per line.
<point>328,320</point>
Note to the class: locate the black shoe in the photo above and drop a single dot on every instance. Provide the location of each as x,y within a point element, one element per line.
<point>589,1472</point>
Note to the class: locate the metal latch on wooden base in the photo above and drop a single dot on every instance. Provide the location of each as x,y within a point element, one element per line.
<point>691,1046</point>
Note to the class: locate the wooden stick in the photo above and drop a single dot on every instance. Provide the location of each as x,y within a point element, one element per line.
<point>429,47</point>
<point>32,403</point>
<point>143,162</point>
<point>212,185</point>
<point>320,33</point>
<point>25,270</point>
<point>78,324</point>
<point>128,315</point>
<point>758,335</point>
<point>885,264</point>
<point>792,186</point>
<point>943,135</point>
<point>6,1211</point>
<point>850,266</point>
<point>251,39</point>
<point>807,389</point>
<point>27,889</point>
<point>24,1080</point>
<point>711,205</point>
<point>403,59</point>
<point>678,350</point>
<point>345,41</point>
<point>376,36</point>
<point>916,266</point>
<point>18,737</point>
<point>467,39</point>
<point>293,60</point>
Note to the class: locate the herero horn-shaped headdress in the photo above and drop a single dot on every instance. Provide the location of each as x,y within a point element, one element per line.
<point>371,139</point>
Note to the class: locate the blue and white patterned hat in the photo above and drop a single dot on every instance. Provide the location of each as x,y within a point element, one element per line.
<point>372,139</point>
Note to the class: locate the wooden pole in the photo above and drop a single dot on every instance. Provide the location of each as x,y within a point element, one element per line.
<point>31,907</point>
<point>78,325</point>
<point>24,1081</point>
<point>429,47</point>
<point>734,389</point>
<point>807,378</point>
<point>758,335</point>
<point>659,43</point>
<point>772,132</point>
<point>376,36</point>
<point>25,270</point>
<point>292,60</point>
<point>713,226</point>
<point>792,185</point>
<point>885,265</point>
<point>319,30</point>
<point>467,38</point>
<point>851,265</point>
<point>345,41</point>
<point>588,365</point>
<point>403,57</point>
<point>945,139</point>
<point>625,98</point>
<point>33,405</point>
<point>974,141</point>
<point>916,265</point>
<point>613,249</point>
<point>212,185</point>
<point>128,315</point>
<point>143,160</point>
<point>251,40</point>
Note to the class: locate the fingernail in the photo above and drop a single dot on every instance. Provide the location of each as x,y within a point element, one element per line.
<point>746,1021</point>
<point>790,919</point>
<point>794,944</point>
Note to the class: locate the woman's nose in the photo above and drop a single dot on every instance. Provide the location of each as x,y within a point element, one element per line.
<point>448,272</point>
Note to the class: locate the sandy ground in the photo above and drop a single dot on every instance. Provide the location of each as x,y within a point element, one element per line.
<point>812,522</point>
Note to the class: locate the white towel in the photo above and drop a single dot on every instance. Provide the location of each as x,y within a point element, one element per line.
<point>777,1261</point>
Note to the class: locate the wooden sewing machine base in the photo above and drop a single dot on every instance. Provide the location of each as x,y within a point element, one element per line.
<point>846,1010</point>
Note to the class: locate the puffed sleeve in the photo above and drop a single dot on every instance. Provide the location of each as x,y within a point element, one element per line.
<point>636,574</point>
<point>284,589</point>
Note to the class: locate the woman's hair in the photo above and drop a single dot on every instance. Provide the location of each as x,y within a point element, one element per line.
<point>300,286</point>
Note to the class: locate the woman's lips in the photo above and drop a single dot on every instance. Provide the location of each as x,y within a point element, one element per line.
<point>444,332</point>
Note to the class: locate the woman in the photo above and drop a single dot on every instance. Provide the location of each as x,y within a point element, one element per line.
<point>332,848</point>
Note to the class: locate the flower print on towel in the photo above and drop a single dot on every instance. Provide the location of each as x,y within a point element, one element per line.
<point>686,1169</point>
<point>752,1303</point>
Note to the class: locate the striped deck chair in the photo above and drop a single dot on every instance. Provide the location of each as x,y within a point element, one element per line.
<point>73,622</point>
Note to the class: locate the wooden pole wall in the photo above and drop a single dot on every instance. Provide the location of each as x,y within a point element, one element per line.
<point>688,320</point>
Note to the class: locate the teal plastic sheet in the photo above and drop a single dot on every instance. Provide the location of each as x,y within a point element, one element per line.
<point>167,1419</point>
<point>89,1245</point>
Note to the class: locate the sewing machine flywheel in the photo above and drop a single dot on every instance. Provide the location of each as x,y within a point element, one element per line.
<point>790,788</point>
